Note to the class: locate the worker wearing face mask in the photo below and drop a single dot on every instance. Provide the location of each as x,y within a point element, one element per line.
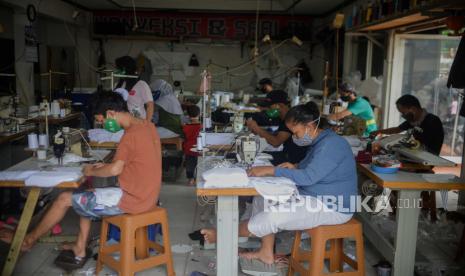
<point>358,106</point>
<point>272,95</point>
<point>432,132</point>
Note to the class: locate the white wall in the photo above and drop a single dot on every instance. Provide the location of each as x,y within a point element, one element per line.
<point>225,54</point>
<point>55,32</point>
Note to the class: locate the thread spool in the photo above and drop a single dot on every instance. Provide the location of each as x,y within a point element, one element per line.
<point>204,138</point>
<point>217,99</point>
<point>225,98</point>
<point>43,140</point>
<point>246,98</point>
<point>326,109</point>
<point>55,108</point>
<point>208,122</point>
<point>199,143</point>
<point>32,141</point>
<point>41,154</point>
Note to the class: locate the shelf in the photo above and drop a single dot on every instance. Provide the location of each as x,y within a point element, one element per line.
<point>413,16</point>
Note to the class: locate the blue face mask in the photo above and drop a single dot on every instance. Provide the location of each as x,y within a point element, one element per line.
<point>307,140</point>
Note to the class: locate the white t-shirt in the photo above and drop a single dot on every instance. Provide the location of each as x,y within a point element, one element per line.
<point>139,95</point>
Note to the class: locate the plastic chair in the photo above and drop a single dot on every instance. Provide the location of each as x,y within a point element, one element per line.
<point>315,258</point>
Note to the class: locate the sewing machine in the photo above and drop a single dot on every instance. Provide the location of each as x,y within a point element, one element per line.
<point>409,149</point>
<point>238,122</point>
<point>74,141</point>
<point>247,148</point>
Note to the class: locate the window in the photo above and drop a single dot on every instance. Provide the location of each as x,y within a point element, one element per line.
<point>421,68</point>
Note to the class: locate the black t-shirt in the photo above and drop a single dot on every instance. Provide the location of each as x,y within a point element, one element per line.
<point>277,96</point>
<point>292,153</point>
<point>432,135</point>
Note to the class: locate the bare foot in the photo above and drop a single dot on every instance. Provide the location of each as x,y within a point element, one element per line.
<point>7,235</point>
<point>209,235</point>
<point>265,257</point>
<point>191,182</point>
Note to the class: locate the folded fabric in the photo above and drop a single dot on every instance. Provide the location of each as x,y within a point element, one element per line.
<point>225,177</point>
<point>100,135</point>
<point>279,189</point>
<point>16,175</point>
<point>51,178</point>
<point>261,162</point>
<point>108,196</point>
<point>70,158</point>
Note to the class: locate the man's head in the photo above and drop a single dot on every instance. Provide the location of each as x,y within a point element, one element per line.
<point>193,111</point>
<point>265,85</point>
<point>108,107</point>
<point>409,107</point>
<point>126,64</point>
<point>348,93</point>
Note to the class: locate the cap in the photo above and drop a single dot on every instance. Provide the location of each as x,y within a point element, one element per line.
<point>347,87</point>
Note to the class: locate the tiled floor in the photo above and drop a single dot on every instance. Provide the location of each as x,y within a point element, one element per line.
<point>184,217</point>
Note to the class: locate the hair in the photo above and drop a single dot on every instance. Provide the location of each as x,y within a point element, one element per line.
<point>129,65</point>
<point>304,114</point>
<point>408,101</point>
<point>193,111</point>
<point>265,81</point>
<point>108,100</point>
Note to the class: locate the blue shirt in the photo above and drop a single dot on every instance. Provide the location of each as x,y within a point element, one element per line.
<point>328,169</point>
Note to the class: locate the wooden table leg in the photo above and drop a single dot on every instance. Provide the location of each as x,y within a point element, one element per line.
<point>21,230</point>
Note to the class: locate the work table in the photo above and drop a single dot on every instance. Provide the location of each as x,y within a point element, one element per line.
<point>13,136</point>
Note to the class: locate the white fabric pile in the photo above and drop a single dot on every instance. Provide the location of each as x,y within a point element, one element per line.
<point>69,158</point>
<point>39,178</point>
<point>225,178</point>
<point>278,189</point>
<point>100,135</point>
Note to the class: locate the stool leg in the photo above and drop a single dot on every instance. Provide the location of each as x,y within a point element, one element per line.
<point>127,250</point>
<point>359,248</point>
<point>317,259</point>
<point>335,260</point>
<point>167,245</point>
<point>141,243</point>
<point>294,252</point>
<point>103,240</point>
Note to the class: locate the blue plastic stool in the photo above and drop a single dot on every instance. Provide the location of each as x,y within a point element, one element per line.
<point>152,231</point>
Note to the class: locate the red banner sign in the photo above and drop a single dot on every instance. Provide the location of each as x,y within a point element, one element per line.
<point>201,25</point>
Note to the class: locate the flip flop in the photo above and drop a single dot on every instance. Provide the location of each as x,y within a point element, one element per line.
<point>255,267</point>
<point>69,262</point>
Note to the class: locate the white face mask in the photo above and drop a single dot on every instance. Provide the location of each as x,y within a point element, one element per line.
<point>307,140</point>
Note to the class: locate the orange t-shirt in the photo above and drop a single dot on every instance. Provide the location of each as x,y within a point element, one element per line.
<point>140,179</point>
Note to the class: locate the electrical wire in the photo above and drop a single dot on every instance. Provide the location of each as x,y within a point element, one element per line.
<point>252,61</point>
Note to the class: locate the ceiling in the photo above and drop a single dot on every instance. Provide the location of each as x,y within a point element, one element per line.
<point>308,7</point>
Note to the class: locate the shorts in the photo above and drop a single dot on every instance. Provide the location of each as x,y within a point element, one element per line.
<point>263,220</point>
<point>85,204</point>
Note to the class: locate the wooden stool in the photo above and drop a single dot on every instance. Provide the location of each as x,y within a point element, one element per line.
<point>133,229</point>
<point>335,234</point>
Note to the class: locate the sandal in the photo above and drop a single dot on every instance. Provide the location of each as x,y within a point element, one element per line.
<point>69,262</point>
